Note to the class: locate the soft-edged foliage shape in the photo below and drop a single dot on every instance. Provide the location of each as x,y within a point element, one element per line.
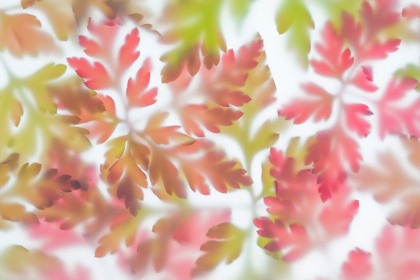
<point>398,119</point>
<point>18,261</point>
<point>395,257</point>
<point>258,89</point>
<point>21,35</point>
<point>226,244</point>
<point>156,148</point>
<point>174,236</point>
<point>294,18</point>
<point>29,98</point>
<point>391,182</point>
<point>181,168</point>
<point>197,32</point>
<point>343,54</point>
<point>296,210</point>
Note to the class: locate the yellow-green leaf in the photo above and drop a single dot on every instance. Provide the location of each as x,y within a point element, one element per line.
<point>293,17</point>
<point>226,245</point>
<point>193,30</point>
<point>240,8</point>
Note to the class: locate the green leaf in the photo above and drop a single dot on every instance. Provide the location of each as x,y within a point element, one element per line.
<point>227,244</point>
<point>240,8</point>
<point>294,18</point>
<point>38,84</point>
<point>193,30</point>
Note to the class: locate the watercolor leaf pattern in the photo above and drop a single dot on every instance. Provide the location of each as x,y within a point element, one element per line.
<point>156,148</point>
<point>335,151</point>
<point>293,212</point>
<point>170,140</point>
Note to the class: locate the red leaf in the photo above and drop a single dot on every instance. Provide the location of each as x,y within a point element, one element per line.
<point>95,76</point>
<point>302,221</point>
<point>136,88</point>
<point>331,153</point>
<point>363,79</point>
<point>354,120</point>
<point>293,237</point>
<point>368,73</point>
<point>301,109</point>
<point>380,50</point>
<point>335,61</point>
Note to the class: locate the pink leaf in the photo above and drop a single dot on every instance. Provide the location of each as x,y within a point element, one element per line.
<point>95,76</point>
<point>335,61</point>
<point>320,106</point>
<point>363,79</point>
<point>412,12</point>
<point>355,122</point>
<point>92,48</point>
<point>380,50</point>
<point>358,265</point>
<point>399,119</point>
<point>128,54</point>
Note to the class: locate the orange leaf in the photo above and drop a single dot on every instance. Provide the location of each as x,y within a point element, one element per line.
<point>136,88</point>
<point>21,35</point>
